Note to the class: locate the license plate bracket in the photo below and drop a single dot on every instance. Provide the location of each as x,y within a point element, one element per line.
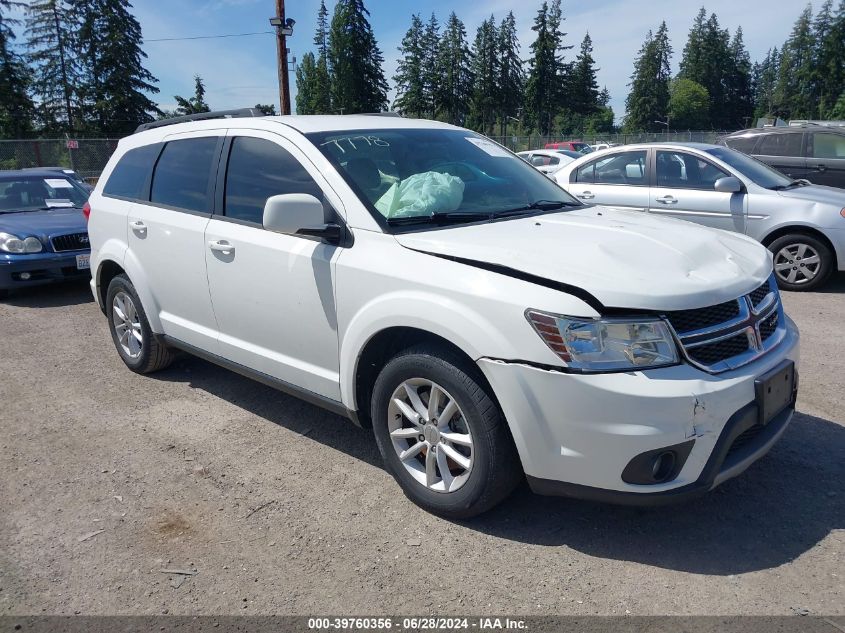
<point>775,390</point>
<point>83,262</point>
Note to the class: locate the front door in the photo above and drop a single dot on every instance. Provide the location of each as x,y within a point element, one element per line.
<point>273,294</point>
<point>684,189</point>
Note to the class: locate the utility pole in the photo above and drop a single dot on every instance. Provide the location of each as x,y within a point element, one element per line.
<point>283,29</point>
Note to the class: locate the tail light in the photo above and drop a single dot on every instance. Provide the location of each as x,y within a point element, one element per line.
<point>86,211</point>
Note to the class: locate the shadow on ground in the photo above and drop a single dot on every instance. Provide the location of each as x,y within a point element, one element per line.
<point>779,509</point>
<point>70,293</point>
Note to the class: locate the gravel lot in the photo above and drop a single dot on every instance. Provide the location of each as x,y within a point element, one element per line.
<point>107,478</point>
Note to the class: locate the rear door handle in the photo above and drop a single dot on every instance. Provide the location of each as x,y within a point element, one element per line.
<point>586,195</point>
<point>221,246</point>
<point>138,226</point>
<point>667,200</point>
<point>822,167</point>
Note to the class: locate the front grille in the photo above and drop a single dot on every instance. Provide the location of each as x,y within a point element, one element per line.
<point>744,438</point>
<point>768,327</point>
<point>712,353</point>
<point>71,242</point>
<point>689,320</point>
<point>729,334</point>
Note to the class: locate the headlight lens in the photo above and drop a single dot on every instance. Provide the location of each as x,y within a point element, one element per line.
<point>13,244</point>
<point>606,344</point>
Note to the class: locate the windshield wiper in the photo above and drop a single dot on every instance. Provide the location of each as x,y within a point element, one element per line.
<point>537,205</point>
<point>438,217</point>
<point>795,183</point>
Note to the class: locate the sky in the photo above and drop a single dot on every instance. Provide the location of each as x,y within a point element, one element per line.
<point>241,71</point>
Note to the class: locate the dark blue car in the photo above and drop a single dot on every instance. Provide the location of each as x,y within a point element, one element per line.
<point>43,232</point>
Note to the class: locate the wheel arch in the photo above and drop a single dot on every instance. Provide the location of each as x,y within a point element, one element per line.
<point>801,229</point>
<point>107,270</point>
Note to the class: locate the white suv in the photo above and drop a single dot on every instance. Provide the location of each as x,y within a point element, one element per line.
<point>427,283</point>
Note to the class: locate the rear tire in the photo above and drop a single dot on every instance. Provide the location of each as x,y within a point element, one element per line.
<point>802,262</point>
<point>463,434</point>
<point>139,348</point>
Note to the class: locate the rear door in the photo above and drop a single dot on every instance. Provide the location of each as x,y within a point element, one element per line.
<point>684,189</point>
<point>784,151</point>
<point>166,236</point>
<point>618,180</point>
<point>826,159</point>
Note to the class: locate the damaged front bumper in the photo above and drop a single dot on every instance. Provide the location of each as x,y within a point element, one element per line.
<point>582,435</point>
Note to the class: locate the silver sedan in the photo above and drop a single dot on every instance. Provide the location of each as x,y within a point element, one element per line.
<point>801,223</point>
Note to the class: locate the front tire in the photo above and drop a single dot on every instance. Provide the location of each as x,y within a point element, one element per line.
<point>139,348</point>
<point>442,435</point>
<point>802,262</point>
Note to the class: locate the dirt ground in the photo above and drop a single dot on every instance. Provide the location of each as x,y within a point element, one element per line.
<point>107,478</point>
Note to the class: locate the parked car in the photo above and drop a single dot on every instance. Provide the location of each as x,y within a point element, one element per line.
<point>598,146</point>
<point>814,152</point>
<point>69,173</point>
<point>546,160</point>
<point>43,237</point>
<point>802,224</point>
<point>572,146</point>
<point>487,326</point>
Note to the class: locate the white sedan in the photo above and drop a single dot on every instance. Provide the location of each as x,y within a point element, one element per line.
<point>547,161</point>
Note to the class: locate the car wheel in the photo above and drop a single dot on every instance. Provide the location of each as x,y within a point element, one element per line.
<point>441,433</point>
<point>802,262</point>
<point>138,347</point>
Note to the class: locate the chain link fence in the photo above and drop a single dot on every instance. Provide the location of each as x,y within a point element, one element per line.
<point>88,157</point>
<point>524,143</point>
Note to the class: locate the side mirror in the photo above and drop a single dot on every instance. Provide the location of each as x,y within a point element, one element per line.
<point>729,184</point>
<point>300,214</point>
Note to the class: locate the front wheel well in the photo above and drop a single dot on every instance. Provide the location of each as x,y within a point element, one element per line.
<point>385,345</point>
<point>801,230</point>
<point>108,270</point>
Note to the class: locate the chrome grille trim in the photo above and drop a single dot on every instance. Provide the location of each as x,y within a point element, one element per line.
<point>749,322</point>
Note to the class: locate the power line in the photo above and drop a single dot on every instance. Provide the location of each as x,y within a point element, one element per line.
<point>207,37</point>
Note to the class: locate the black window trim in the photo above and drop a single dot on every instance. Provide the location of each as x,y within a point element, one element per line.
<point>144,196</point>
<point>574,173</point>
<point>698,157</point>
<point>212,181</point>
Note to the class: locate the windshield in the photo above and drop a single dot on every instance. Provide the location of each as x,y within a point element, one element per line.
<point>407,176</point>
<point>31,193</point>
<point>760,173</point>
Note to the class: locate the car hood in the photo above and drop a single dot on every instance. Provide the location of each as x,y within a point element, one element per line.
<point>817,193</point>
<point>625,259</point>
<point>44,223</point>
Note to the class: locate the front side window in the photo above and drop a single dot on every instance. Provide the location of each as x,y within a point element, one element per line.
<point>257,170</point>
<point>624,168</point>
<point>828,146</point>
<point>759,173</point>
<point>686,171</point>
<point>433,174</point>
<point>781,144</point>
<point>129,176</point>
<point>183,174</point>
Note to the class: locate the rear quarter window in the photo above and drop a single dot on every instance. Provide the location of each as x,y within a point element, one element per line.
<point>129,176</point>
<point>744,144</point>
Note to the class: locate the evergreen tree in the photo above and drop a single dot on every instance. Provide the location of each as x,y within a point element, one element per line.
<point>320,84</point>
<point>430,52</point>
<point>766,75</point>
<point>648,100</point>
<point>411,97</point>
<point>355,61</point>
<point>454,63</point>
<point>485,71</point>
<point>546,72</point>
<point>797,74</point>
<point>707,61</point>
<point>113,82</point>
<point>511,76</point>
<point>583,87</point>
<point>54,72</point>
<point>829,74</point>
<point>195,104</point>
<point>269,109</point>
<point>16,108</point>
<point>739,96</point>
<point>306,77</point>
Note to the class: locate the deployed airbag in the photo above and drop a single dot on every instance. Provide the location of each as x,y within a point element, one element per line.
<point>422,194</point>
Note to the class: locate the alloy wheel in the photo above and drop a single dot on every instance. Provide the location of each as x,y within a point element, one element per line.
<point>127,325</point>
<point>797,263</point>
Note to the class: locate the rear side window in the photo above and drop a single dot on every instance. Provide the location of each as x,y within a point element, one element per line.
<point>129,176</point>
<point>257,170</point>
<point>780,145</point>
<point>626,168</point>
<point>183,174</point>
<point>744,144</point>
<point>828,146</point>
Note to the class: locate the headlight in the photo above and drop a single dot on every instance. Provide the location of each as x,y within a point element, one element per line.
<point>13,244</point>
<point>606,344</point>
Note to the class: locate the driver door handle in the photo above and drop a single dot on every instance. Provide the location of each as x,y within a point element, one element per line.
<point>667,200</point>
<point>586,195</point>
<point>221,246</point>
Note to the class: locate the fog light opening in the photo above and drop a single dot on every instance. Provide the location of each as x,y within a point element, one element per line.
<point>663,466</point>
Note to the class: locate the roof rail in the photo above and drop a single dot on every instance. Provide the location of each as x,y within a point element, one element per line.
<point>202,116</point>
